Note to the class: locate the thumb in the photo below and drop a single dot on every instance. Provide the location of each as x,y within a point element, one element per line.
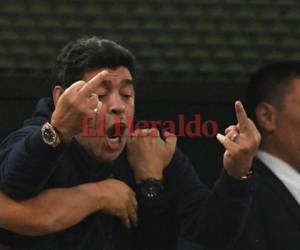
<point>226,142</point>
<point>170,140</point>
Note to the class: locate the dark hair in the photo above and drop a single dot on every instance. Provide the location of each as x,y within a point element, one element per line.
<point>270,84</point>
<point>89,53</point>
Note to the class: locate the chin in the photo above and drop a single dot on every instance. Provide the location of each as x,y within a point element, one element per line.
<point>107,156</point>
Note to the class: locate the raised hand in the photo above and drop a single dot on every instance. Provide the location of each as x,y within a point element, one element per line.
<point>148,154</point>
<point>77,101</point>
<point>241,142</point>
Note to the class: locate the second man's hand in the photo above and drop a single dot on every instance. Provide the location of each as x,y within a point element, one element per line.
<point>241,142</point>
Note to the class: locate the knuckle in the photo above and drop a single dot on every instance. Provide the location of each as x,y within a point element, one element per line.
<point>71,99</point>
<point>77,85</point>
<point>174,140</point>
<point>244,150</point>
<point>247,149</point>
<point>79,82</point>
<point>123,208</point>
<point>80,109</point>
<point>153,130</point>
<point>127,191</point>
<point>135,205</point>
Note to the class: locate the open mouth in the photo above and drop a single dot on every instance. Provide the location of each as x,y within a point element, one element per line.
<point>114,134</point>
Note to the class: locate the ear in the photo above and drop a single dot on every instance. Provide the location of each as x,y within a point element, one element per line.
<point>266,116</point>
<point>56,93</point>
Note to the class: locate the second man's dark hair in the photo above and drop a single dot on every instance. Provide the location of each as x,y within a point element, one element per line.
<point>270,84</point>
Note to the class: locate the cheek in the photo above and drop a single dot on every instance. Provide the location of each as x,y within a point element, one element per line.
<point>97,147</point>
<point>290,121</point>
<point>131,107</point>
<point>288,129</point>
<point>292,129</point>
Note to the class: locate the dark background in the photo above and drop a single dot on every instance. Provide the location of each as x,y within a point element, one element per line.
<point>194,56</point>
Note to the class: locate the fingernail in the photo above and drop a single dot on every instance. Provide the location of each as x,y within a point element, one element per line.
<point>220,137</point>
<point>145,130</point>
<point>166,133</point>
<point>239,103</point>
<point>135,223</point>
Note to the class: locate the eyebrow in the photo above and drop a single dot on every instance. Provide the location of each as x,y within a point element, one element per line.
<point>108,84</point>
<point>127,82</point>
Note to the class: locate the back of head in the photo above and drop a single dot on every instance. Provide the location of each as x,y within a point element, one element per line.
<point>89,53</point>
<point>270,84</point>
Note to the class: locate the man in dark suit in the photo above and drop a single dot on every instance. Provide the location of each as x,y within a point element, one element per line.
<point>273,101</point>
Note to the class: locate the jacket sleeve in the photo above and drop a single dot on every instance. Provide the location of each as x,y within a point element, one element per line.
<point>213,218</point>
<point>254,235</point>
<point>26,162</point>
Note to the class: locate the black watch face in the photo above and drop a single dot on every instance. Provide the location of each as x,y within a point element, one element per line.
<point>151,188</point>
<point>49,135</point>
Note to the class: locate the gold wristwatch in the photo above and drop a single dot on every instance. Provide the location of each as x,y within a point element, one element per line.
<point>50,135</point>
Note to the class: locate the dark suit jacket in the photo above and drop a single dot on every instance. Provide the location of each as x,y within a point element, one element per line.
<point>274,219</point>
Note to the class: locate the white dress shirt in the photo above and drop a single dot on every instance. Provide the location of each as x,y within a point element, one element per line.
<point>284,172</point>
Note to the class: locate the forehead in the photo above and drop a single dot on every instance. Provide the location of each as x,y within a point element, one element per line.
<point>114,75</point>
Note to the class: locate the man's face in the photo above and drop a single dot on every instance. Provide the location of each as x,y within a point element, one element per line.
<point>287,130</point>
<point>117,96</point>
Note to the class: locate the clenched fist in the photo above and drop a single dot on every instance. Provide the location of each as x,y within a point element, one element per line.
<point>118,199</point>
<point>77,101</point>
<point>148,154</point>
<point>241,142</point>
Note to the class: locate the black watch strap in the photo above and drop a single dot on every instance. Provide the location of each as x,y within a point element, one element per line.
<point>151,188</point>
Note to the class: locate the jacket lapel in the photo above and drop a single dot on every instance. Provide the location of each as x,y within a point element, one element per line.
<point>270,179</point>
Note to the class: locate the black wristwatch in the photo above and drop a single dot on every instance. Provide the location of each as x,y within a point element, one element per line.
<point>151,188</point>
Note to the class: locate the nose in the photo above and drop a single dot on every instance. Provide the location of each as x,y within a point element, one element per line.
<point>116,104</point>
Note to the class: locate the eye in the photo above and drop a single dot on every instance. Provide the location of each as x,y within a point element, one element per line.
<point>127,92</point>
<point>101,96</point>
<point>127,96</point>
